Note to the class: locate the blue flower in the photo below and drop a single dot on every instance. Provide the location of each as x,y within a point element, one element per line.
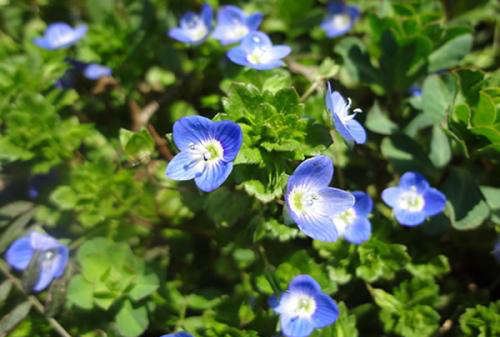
<point>177,334</point>
<point>340,19</point>
<point>208,150</point>
<point>60,35</point>
<point>52,257</point>
<point>311,203</point>
<point>193,28</point>
<point>415,91</point>
<point>304,307</point>
<point>353,223</point>
<point>233,24</point>
<point>345,124</point>
<point>95,71</point>
<point>496,249</point>
<point>256,51</point>
<point>413,200</point>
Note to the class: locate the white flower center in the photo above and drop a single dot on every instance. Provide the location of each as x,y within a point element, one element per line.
<point>411,201</point>
<point>341,21</point>
<point>300,305</point>
<point>208,151</point>
<point>344,113</point>
<point>237,31</point>
<point>259,55</point>
<point>344,219</point>
<point>301,200</point>
<point>195,28</point>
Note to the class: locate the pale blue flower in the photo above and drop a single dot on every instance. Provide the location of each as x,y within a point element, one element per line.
<point>303,307</point>
<point>193,28</point>
<point>208,150</point>
<point>52,257</point>
<point>233,24</point>
<point>256,51</point>
<point>340,19</point>
<point>178,334</point>
<point>95,71</point>
<point>60,35</point>
<point>353,224</point>
<point>349,128</point>
<point>311,203</point>
<point>413,200</point>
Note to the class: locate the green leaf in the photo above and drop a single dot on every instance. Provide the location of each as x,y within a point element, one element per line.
<point>15,229</point>
<point>386,301</point>
<point>438,95</point>
<point>467,208</point>
<point>138,146</point>
<point>481,321</point>
<point>5,288</point>
<point>485,113</point>
<point>225,207</point>
<point>378,122</point>
<point>451,53</point>
<point>64,197</point>
<point>144,285</point>
<point>436,267</point>
<point>440,154</point>
<point>131,322</point>
<point>492,197</point>
<point>9,321</point>
<point>15,208</point>
<point>80,292</point>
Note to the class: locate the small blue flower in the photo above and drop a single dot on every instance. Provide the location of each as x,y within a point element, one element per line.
<point>193,28</point>
<point>415,91</point>
<point>304,307</point>
<point>60,35</point>
<point>311,203</point>
<point>52,259</point>
<point>233,24</point>
<point>413,200</point>
<point>256,51</point>
<point>340,19</point>
<point>353,224</point>
<point>208,150</point>
<point>95,71</point>
<point>345,124</point>
<point>178,334</point>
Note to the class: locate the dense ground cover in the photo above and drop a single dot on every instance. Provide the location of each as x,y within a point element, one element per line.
<point>284,210</point>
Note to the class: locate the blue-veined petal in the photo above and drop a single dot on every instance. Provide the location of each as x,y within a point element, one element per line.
<point>391,196</point>
<point>238,55</point>
<point>293,326</point>
<point>185,165</point>
<point>356,131</point>
<point>435,201</point>
<point>20,253</point>
<point>341,128</point>
<point>334,201</point>
<point>192,130</point>
<point>318,227</point>
<point>409,218</point>
<point>413,179</point>
<point>304,283</point>
<point>230,136</point>
<point>214,175</point>
<point>358,231</point>
<point>363,204</point>
<point>326,311</point>
<point>316,172</point>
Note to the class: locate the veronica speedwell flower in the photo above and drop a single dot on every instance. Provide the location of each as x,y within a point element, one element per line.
<point>256,51</point>
<point>311,203</point>
<point>208,150</point>
<point>193,28</point>
<point>304,307</point>
<point>48,255</point>
<point>353,223</point>
<point>349,128</point>
<point>94,71</point>
<point>178,334</point>
<point>60,35</point>
<point>340,19</point>
<point>233,24</point>
<point>413,200</point>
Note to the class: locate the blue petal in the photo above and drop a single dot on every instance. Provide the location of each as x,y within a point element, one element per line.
<point>178,334</point>
<point>273,302</point>
<point>356,131</point>
<point>391,196</point>
<point>79,32</point>
<point>206,15</point>
<point>408,218</point>
<point>293,326</point>
<point>318,227</point>
<point>230,136</point>
<point>20,253</point>
<point>281,51</point>
<point>46,276</point>
<point>229,15</point>
<point>267,66</point>
<point>334,201</point>
<point>61,35</point>
<point>336,7</point>
<point>192,130</point>
<point>316,172</point>
<point>359,231</point>
<point>61,261</point>
<point>353,12</point>
<point>413,179</point>
<point>42,242</point>
<point>253,21</point>
<point>238,55</point>
<point>214,175</point>
<point>435,201</point>
<point>255,40</point>
<point>326,311</point>
<point>304,283</point>
<point>184,166</point>
<point>363,204</point>
<point>179,35</point>
<point>95,71</point>
<point>42,43</point>
<point>341,128</point>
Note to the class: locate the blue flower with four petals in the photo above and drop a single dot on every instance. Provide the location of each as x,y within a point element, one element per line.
<point>52,257</point>
<point>311,203</point>
<point>353,224</point>
<point>413,200</point>
<point>208,150</point>
<point>349,128</point>
<point>233,24</point>
<point>193,28</point>
<point>340,19</point>
<point>304,307</point>
<point>256,51</point>
<point>60,35</point>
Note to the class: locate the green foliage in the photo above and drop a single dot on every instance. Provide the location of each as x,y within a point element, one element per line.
<point>481,321</point>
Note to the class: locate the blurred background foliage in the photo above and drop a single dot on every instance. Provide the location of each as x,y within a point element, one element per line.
<point>149,255</point>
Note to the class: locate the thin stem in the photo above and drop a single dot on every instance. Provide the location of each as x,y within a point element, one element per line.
<point>310,90</point>
<point>34,301</point>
